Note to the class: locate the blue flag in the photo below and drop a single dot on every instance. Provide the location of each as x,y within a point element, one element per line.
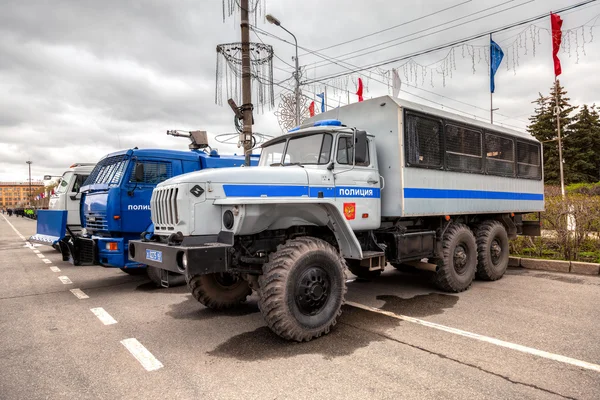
<point>496,56</point>
<point>322,96</point>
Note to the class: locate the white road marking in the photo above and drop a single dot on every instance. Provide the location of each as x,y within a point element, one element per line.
<point>148,361</point>
<point>40,255</point>
<point>36,251</point>
<point>65,280</point>
<point>103,316</point>
<point>54,269</point>
<point>79,294</point>
<point>46,261</point>
<point>487,339</point>
<point>13,227</point>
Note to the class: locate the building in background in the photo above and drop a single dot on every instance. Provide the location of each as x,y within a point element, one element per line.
<point>15,194</point>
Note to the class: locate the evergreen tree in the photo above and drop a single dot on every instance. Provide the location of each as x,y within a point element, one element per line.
<point>543,128</point>
<point>581,149</point>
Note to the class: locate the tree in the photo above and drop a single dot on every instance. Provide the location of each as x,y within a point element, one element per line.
<point>582,146</point>
<point>543,128</point>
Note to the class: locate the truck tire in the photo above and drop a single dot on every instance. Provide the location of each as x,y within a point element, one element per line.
<point>361,272</point>
<point>174,279</point>
<point>219,291</point>
<point>302,289</point>
<point>492,250</point>
<point>457,267</point>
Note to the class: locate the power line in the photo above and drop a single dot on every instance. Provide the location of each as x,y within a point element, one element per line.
<point>320,64</point>
<point>450,44</point>
<point>392,27</point>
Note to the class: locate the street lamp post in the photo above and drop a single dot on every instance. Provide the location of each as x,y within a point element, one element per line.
<point>29,163</point>
<point>276,22</point>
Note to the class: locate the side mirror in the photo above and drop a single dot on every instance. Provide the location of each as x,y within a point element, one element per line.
<point>139,172</point>
<point>361,147</point>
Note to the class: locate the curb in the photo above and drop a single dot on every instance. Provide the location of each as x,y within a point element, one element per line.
<point>573,267</point>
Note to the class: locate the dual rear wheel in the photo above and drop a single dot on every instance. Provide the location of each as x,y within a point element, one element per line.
<point>466,254</point>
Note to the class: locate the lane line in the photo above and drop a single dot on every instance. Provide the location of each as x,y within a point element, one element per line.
<point>65,280</point>
<point>35,251</point>
<point>54,269</point>
<point>103,316</point>
<point>148,361</point>
<point>46,261</point>
<point>40,255</point>
<point>79,294</point>
<point>13,227</point>
<point>482,338</point>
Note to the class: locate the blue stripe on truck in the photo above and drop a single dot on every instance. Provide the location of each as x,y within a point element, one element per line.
<point>420,193</point>
<point>300,191</point>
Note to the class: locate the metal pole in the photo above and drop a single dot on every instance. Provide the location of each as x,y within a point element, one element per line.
<point>491,107</point>
<point>29,163</point>
<point>297,84</point>
<point>246,82</point>
<point>560,159</point>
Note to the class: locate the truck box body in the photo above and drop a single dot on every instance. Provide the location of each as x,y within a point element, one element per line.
<point>490,175</point>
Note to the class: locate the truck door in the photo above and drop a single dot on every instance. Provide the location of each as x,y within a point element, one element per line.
<point>357,185</point>
<point>73,199</point>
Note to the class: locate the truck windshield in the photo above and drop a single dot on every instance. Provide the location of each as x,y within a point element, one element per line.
<point>108,171</point>
<point>64,182</point>
<point>304,150</point>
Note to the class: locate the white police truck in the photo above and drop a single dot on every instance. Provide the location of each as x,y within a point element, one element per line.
<point>377,182</point>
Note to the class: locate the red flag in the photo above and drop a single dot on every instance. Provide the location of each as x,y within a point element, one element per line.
<point>359,92</point>
<point>556,23</point>
<point>311,109</point>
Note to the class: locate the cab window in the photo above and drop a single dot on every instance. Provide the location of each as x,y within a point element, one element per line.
<point>345,152</point>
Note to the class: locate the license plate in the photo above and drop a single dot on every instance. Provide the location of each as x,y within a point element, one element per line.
<point>154,255</point>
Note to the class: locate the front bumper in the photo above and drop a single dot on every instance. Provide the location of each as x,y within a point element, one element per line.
<point>203,256</point>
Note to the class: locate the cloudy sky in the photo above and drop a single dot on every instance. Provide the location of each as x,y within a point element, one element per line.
<point>82,78</point>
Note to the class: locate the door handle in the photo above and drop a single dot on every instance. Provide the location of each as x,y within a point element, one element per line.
<point>372,181</point>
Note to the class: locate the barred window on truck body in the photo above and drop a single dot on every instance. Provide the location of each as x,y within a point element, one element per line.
<point>108,171</point>
<point>463,149</point>
<point>529,160</point>
<point>423,141</point>
<point>155,172</point>
<point>500,155</point>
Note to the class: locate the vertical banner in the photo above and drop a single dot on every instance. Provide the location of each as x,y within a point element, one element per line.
<point>311,109</point>
<point>359,92</point>
<point>496,56</point>
<point>396,83</point>
<point>556,23</point>
<point>322,96</point>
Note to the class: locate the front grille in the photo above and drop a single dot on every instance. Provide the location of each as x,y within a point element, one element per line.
<point>96,222</point>
<point>86,251</point>
<point>164,208</point>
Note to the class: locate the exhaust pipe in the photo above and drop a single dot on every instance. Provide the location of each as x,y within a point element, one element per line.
<point>423,265</point>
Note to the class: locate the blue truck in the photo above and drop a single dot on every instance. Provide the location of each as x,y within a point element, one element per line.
<point>115,203</point>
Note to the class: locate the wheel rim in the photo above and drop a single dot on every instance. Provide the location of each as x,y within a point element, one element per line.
<point>226,280</point>
<point>460,259</point>
<point>312,290</point>
<point>495,251</point>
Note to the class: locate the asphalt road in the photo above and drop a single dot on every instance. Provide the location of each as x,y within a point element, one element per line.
<point>531,335</point>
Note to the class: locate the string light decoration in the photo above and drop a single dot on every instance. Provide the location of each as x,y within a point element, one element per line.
<point>256,8</point>
<point>286,111</point>
<point>229,73</point>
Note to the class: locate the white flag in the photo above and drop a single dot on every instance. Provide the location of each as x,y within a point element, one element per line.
<point>397,83</point>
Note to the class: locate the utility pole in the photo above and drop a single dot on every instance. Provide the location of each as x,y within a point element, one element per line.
<point>560,158</point>
<point>246,107</point>
<point>29,163</point>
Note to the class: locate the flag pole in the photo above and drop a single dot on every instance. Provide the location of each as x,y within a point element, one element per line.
<point>560,159</point>
<point>491,93</point>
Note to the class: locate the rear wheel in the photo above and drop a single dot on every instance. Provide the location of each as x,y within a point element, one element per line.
<point>361,272</point>
<point>492,248</point>
<point>173,278</point>
<point>302,289</point>
<point>457,267</point>
<point>219,291</point>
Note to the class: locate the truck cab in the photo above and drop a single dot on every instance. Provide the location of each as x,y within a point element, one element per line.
<point>67,198</point>
<point>115,206</point>
<point>387,182</point>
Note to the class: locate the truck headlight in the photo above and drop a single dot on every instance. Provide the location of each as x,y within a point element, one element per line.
<point>228,219</point>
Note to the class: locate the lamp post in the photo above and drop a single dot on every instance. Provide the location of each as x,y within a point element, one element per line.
<point>29,163</point>
<point>276,22</point>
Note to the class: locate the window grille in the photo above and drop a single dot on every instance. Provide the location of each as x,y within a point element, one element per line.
<point>155,172</point>
<point>528,160</point>
<point>423,141</point>
<point>463,149</point>
<point>108,171</point>
<point>499,155</point>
